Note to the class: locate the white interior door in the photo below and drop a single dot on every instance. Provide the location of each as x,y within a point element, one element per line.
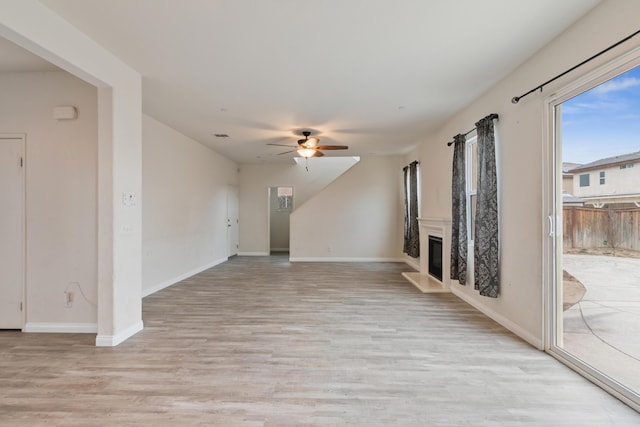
<point>11,231</point>
<point>232,220</point>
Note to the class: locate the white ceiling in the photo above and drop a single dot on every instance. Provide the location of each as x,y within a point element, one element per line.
<point>372,74</point>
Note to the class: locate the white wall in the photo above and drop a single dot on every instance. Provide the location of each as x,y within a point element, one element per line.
<point>61,197</point>
<point>33,26</point>
<point>184,209</point>
<point>359,216</point>
<point>255,181</point>
<point>520,160</point>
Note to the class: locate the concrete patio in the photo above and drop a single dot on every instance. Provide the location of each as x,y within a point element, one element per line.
<point>603,329</point>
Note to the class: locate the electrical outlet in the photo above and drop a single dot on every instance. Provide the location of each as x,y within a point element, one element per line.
<point>68,299</point>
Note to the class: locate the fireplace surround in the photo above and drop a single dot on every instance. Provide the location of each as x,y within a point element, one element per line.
<point>440,228</point>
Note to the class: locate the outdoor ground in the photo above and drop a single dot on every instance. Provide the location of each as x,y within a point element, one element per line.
<point>572,291</point>
<point>606,251</point>
<point>603,326</point>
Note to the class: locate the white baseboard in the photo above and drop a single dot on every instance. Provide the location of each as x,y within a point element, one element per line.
<point>346,259</point>
<point>167,283</point>
<point>516,329</point>
<point>253,253</point>
<point>114,340</point>
<point>61,328</point>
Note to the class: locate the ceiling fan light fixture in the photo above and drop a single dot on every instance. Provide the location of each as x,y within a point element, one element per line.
<point>309,147</point>
<point>306,152</point>
<point>308,142</point>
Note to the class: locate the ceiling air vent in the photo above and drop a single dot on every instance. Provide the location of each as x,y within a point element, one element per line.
<point>221,135</point>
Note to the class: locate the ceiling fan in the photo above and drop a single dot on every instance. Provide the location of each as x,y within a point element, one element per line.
<point>308,147</point>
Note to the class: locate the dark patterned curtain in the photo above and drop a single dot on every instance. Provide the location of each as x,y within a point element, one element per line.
<point>405,175</point>
<point>411,237</point>
<point>486,240</point>
<point>459,213</point>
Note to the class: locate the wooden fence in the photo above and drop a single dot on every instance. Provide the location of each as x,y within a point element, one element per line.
<point>593,228</point>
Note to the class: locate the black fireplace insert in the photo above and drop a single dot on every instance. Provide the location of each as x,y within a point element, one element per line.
<point>435,257</point>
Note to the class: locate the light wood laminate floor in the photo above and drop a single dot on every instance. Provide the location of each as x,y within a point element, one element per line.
<point>259,341</point>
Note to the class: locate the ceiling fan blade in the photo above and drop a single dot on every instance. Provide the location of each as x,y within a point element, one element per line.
<point>278,140</point>
<point>283,145</point>
<point>331,147</point>
<point>287,152</point>
<point>318,154</point>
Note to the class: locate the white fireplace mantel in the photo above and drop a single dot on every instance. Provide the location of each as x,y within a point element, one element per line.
<point>438,227</point>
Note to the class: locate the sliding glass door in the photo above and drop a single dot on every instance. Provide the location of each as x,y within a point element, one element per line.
<point>593,251</point>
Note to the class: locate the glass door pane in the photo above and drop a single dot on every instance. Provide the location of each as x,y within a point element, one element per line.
<point>597,290</point>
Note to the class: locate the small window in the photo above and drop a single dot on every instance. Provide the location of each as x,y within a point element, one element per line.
<point>285,198</point>
<point>471,184</point>
<point>626,166</point>
<point>602,178</point>
<point>473,198</point>
<point>584,180</point>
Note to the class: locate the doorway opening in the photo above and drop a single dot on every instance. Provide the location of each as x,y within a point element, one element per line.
<point>280,207</point>
<point>594,304</point>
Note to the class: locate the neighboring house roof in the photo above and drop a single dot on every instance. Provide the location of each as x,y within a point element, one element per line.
<point>570,199</point>
<point>568,166</point>
<point>609,161</point>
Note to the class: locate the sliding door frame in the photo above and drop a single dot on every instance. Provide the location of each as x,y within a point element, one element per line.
<point>552,222</point>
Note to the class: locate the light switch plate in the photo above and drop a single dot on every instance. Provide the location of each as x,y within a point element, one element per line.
<point>129,199</point>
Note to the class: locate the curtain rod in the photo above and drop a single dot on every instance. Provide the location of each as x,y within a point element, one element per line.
<point>415,161</point>
<point>516,99</point>
<point>490,116</point>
